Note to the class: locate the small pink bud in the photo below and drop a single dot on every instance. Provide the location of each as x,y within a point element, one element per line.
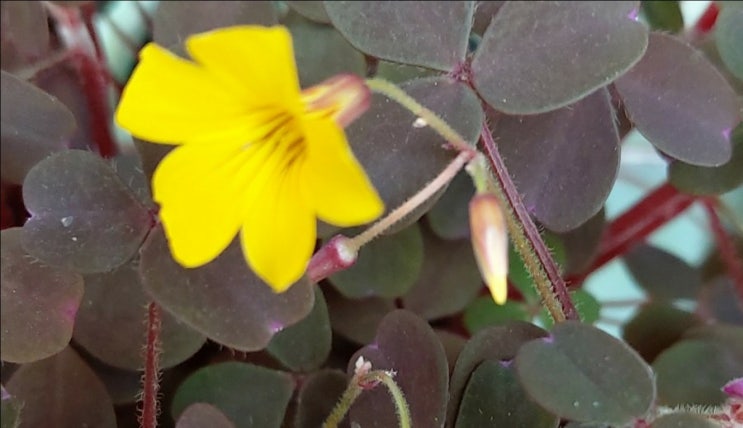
<point>734,388</point>
<point>336,255</point>
<point>490,243</point>
<point>344,97</point>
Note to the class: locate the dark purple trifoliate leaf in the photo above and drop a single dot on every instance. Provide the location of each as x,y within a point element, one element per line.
<point>314,10</point>
<point>319,394</point>
<point>702,180</point>
<point>25,33</point>
<point>718,301</point>
<point>250,396</point>
<point>33,124</point>
<point>387,139</point>
<point>663,275</point>
<point>484,13</point>
<point>386,267</point>
<point>111,322</point>
<point>655,327</point>
<point>321,51</point>
<point>494,397</point>
<point>224,299</point>
<point>175,21</point>
<point>200,415</point>
<point>449,278</point>
<point>692,372</point>
<point>540,56</point>
<point>449,217</point>
<point>581,244</point>
<point>599,378</point>
<point>453,344</point>
<point>728,36</point>
<point>82,216</point>
<point>61,391</point>
<point>408,346</point>
<point>564,163</point>
<point>357,319</point>
<point>499,343</point>
<point>39,303</point>
<point>430,34</point>
<point>305,345</point>
<point>681,103</point>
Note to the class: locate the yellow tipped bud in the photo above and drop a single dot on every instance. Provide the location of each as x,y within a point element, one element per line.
<point>490,242</point>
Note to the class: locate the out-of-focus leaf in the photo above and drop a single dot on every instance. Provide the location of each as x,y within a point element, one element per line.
<point>201,415</point>
<point>305,345</point>
<point>406,345</point>
<point>386,141</point>
<point>82,216</point>
<point>10,416</point>
<point>719,301</point>
<point>576,151</point>
<point>493,397</point>
<point>449,279</point>
<point>681,103</point>
<point>33,125</point>
<point>519,276</point>
<point>321,52</point>
<point>663,15</point>
<point>314,10</point>
<point>483,312</point>
<point>61,392</point>
<point>250,396</point>
<point>589,309</point>
<point>499,343</point>
<point>224,299</point>
<point>600,378</point>
<point>540,56</point>
<point>581,244</point>
<point>39,303</point>
<point>449,217</point>
<point>123,386</point>
<point>176,20</point>
<point>111,322</point>
<point>701,180</point>
<point>386,267</point>
<point>663,275</point>
<point>319,394</point>
<point>357,319</point>
<point>728,36</point>
<point>398,73</point>
<point>682,420</point>
<point>656,327</point>
<point>430,34</point>
<point>25,33</point>
<point>693,371</point>
<point>453,344</point>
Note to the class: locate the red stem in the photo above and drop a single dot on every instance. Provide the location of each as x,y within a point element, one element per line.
<point>726,247</point>
<point>94,79</point>
<point>707,21</point>
<point>151,378</point>
<point>559,287</point>
<point>656,209</point>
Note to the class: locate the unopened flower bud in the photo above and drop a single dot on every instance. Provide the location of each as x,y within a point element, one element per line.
<point>490,242</point>
<point>344,97</point>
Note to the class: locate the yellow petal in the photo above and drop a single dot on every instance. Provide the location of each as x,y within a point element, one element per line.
<point>490,243</point>
<point>257,62</point>
<point>279,234</point>
<point>197,187</point>
<point>171,100</point>
<point>336,184</point>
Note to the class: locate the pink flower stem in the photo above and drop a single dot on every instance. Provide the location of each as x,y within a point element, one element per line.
<point>151,376</point>
<point>726,246</point>
<point>548,265</point>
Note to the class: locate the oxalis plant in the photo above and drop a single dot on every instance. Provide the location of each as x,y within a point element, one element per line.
<point>366,214</point>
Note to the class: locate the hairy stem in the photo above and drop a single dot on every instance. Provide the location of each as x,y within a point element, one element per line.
<point>360,383</point>
<point>527,240</point>
<point>151,376</point>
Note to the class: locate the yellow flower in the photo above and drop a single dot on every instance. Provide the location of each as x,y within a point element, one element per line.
<point>256,155</point>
